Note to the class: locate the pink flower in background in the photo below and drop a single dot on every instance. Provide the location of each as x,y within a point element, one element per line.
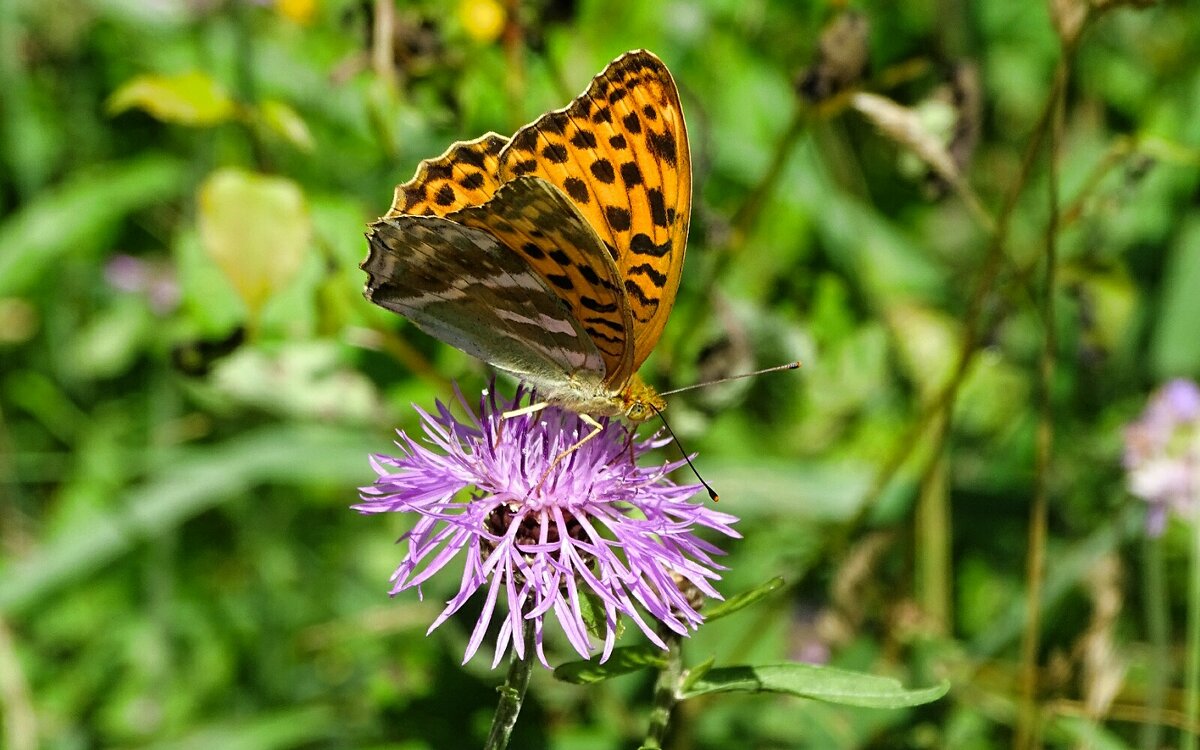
<point>545,537</point>
<point>156,281</point>
<point>1162,453</point>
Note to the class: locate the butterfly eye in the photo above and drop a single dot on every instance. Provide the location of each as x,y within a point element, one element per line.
<point>637,412</point>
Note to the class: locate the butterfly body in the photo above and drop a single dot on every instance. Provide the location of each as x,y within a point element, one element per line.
<point>556,254</point>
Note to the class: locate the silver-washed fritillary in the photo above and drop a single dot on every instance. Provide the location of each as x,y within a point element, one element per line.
<point>554,254</point>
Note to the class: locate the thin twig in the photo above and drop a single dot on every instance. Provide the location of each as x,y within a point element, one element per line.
<point>932,536</point>
<point>1154,591</point>
<point>1191,682</point>
<point>383,32</point>
<point>20,720</point>
<point>1036,556</point>
<point>513,40</point>
<point>972,331</point>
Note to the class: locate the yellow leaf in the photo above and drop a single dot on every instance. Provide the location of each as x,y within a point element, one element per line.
<point>186,99</point>
<point>256,229</point>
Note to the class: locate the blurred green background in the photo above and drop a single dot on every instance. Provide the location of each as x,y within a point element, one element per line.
<point>191,382</point>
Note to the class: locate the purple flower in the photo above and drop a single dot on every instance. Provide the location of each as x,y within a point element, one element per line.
<point>156,281</point>
<point>1162,453</point>
<point>593,531</point>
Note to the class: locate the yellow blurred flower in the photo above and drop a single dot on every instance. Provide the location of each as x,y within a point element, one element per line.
<point>299,11</point>
<point>483,19</point>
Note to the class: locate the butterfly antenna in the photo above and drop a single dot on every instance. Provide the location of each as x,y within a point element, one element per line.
<point>711,492</point>
<point>776,368</point>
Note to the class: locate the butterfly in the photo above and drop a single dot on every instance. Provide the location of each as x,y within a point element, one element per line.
<point>554,254</point>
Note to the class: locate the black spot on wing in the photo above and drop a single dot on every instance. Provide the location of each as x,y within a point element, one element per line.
<point>641,244</point>
<point>444,196</point>
<point>524,167</point>
<point>662,145</point>
<point>658,208</point>
<point>415,194</point>
<point>577,189</point>
<point>439,171</point>
<point>605,322</point>
<point>602,169</point>
<point>618,218</point>
<point>471,156</point>
<point>526,140</point>
<point>533,251</point>
<point>597,306</point>
<point>555,152</point>
<point>595,334</point>
<point>631,174</point>
<point>658,279</point>
<point>636,292</point>
<point>583,139</point>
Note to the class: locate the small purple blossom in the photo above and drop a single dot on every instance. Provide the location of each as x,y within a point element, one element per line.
<point>1162,453</point>
<point>593,530</point>
<point>155,281</point>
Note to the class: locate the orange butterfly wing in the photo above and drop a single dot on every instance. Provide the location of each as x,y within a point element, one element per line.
<point>620,153</point>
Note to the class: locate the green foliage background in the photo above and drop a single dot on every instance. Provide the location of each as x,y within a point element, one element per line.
<point>191,383</point>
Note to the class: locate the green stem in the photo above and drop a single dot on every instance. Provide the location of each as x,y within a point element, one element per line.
<point>1154,586</point>
<point>1035,562</point>
<point>975,321</point>
<point>512,692</point>
<point>666,692</point>
<point>932,535</point>
<point>1191,691</point>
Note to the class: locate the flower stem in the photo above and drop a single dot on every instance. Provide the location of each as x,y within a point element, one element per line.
<point>512,692</point>
<point>1192,681</point>
<point>1154,586</point>
<point>666,692</point>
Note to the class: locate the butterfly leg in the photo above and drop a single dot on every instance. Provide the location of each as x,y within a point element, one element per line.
<point>597,428</point>
<point>629,445</point>
<point>532,408</point>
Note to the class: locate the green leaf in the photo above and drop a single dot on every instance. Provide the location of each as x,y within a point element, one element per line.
<point>696,673</point>
<point>256,229</point>
<point>623,661</point>
<point>76,218</point>
<point>186,99</point>
<point>743,600</point>
<point>185,484</point>
<point>818,683</point>
<point>108,345</point>
<point>927,343</point>
<point>1079,731</point>
<point>285,122</point>
<point>304,379</point>
<point>266,730</point>
<point>592,609</point>
<point>1176,347</point>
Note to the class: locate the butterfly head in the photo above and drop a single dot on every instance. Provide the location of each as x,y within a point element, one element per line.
<point>639,401</point>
